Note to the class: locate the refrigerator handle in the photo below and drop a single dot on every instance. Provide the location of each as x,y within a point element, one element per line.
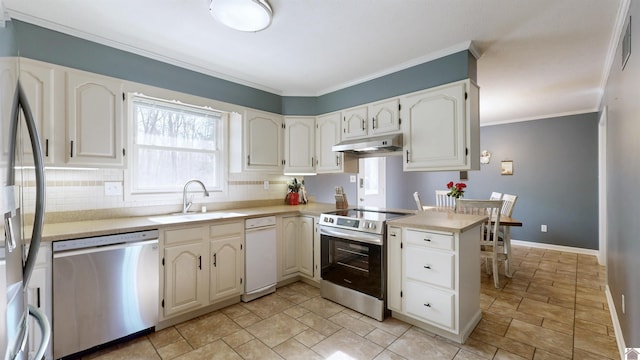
<point>38,222</point>
<point>45,331</point>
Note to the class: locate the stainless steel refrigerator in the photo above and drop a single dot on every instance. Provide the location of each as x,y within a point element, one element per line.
<point>16,264</point>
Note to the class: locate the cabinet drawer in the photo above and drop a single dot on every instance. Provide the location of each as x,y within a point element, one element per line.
<point>183,235</point>
<point>225,230</point>
<point>429,304</point>
<point>431,239</point>
<point>433,267</point>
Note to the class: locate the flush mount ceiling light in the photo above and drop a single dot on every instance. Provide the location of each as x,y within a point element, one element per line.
<point>242,15</point>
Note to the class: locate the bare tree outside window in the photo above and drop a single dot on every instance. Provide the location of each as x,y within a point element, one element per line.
<point>174,143</point>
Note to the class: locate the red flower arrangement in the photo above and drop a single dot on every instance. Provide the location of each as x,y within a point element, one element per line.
<point>456,190</point>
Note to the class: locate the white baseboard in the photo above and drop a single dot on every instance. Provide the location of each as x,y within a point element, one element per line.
<point>555,247</point>
<point>622,347</point>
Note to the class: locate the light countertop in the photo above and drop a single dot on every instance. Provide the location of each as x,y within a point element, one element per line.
<point>87,228</point>
<point>439,221</point>
<point>80,229</point>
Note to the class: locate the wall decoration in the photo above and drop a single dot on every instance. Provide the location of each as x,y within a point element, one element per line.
<point>485,157</point>
<point>506,167</point>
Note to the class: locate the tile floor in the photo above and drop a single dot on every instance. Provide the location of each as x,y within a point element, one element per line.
<point>554,307</point>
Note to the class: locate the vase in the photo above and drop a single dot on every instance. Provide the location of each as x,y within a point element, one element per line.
<point>294,198</point>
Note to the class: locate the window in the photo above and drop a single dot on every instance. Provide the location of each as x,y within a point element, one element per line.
<point>174,143</point>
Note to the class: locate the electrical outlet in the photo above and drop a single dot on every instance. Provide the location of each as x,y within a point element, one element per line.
<point>265,185</point>
<point>543,228</point>
<point>352,178</point>
<point>112,188</point>
<point>623,307</point>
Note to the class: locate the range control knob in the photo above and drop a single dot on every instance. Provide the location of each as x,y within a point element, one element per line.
<point>371,226</point>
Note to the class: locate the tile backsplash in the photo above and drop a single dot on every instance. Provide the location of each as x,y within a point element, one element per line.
<point>81,190</point>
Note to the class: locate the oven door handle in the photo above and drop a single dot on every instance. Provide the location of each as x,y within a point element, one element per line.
<point>352,235</point>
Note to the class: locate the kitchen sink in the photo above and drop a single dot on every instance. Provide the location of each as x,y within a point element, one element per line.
<point>182,217</point>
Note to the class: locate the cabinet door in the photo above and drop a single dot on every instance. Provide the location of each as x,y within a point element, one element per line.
<point>328,128</point>
<point>226,268</point>
<point>289,247</point>
<point>37,81</point>
<point>184,279</point>
<point>263,142</point>
<point>384,117</point>
<point>305,245</point>
<point>317,274</point>
<point>435,132</point>
<point>37,297</point>
<point>394,266</point>
<point>299,145</point>
<point>95,120</point>
<point>354,123</point>
<point>39,294</point>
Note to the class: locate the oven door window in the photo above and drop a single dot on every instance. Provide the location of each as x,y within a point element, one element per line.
<point>352,264</point>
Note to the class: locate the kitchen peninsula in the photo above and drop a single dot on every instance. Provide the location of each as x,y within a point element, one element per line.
<point>433,278</point>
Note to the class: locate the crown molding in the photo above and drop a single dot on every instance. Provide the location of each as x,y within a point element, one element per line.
<point>618,28</point>
<point>466,45</point>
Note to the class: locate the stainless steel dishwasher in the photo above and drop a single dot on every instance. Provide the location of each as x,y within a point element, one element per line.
<point>104,288</point>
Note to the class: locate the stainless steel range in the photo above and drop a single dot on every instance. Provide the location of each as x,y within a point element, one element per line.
<point>353,258</point>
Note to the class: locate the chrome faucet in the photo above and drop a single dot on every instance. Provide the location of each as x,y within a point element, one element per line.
<point>186,205</point>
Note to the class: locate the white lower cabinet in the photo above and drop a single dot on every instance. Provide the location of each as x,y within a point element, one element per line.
<point>201,265</point>
<point>185,280</point>
<point>39,293</point>
<point>433,279</point>
<point>296,247</point>
<point>226,276</point>
<point>317,273</point>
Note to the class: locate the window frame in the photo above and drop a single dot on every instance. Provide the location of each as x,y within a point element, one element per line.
<point>178,101</point>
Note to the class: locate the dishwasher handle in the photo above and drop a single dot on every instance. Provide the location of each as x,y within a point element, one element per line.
<point>92,250</point>
<point>262,228</point>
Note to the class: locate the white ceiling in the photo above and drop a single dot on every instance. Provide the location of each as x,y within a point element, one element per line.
<point>536,58</point>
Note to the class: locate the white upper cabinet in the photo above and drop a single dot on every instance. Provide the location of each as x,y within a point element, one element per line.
<point>37,80</point>
<point>95,131</point>
<point>299,145</point>
<point>328,128</point>
<point>384,117</point>
<point>263,133</point>
<point>441,128</point>
<point>377,118</point>
<point>354,123</point>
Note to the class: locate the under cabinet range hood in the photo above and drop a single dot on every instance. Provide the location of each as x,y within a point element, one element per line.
<point>379,145</point>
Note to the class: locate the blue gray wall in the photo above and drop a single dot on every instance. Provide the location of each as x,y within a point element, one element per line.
<point>623,176</point>
<point>555,177</point>
<point>54,47</point>
<point>7,40</point>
